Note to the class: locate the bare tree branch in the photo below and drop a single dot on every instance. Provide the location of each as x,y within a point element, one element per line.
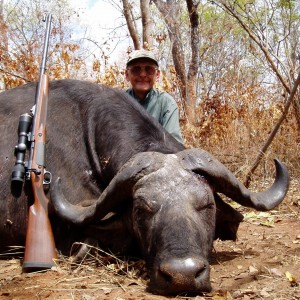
<point>264,49</point>
<point>274,131</point>
<point>14,75</point>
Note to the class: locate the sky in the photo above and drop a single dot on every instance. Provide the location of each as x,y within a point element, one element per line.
<point>103,20</point>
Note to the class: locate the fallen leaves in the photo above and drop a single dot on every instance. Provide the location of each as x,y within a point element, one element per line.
<point>291,279</point>
<point>276,272</point>
<point>263,218</point>
<point>297,240</point>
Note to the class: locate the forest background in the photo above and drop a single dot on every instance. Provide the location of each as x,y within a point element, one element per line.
<point>232,66</point>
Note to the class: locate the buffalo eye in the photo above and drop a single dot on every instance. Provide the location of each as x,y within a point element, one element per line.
<point>204,204</point>
<point>209,206</point>
<point>144,208</point>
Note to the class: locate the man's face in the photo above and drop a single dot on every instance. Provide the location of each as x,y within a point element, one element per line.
<point>142,75</point>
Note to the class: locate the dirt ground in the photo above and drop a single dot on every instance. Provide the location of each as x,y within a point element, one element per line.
<point>264,263</point>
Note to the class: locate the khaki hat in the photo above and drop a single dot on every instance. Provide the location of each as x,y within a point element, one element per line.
<point>137,54</point>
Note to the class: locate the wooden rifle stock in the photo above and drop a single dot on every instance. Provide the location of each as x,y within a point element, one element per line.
<point>40,249</point>
<point>40,246</point>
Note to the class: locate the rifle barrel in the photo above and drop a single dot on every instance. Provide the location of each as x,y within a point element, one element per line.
<point>46,43</point>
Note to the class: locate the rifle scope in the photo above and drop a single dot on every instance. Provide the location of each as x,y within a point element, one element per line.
<point>18,173</point>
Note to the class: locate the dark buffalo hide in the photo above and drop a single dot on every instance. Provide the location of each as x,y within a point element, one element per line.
<point>121,180</point>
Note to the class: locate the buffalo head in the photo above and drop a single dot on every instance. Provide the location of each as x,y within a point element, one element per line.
<point>173,211</point>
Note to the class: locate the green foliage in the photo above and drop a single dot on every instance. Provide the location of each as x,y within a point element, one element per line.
<point>286,3</point>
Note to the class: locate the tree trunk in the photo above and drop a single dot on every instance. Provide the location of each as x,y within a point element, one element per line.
<point>146,23</point>
<point>3,28</point>
<point>3,44</point>
<point>194,62</point>
<point>296,106</point>
<point>127,11</point>
<point>170,11</point>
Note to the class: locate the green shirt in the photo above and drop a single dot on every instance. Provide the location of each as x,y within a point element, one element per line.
<point>164,109</point>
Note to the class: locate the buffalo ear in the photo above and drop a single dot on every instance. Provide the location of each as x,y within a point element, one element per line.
<point>224,181</point>
<point>227,220</point>
<point>113,197</point>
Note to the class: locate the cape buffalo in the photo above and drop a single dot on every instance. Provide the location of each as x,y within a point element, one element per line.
<point>121,179</point>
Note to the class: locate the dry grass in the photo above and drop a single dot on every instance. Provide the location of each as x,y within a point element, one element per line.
<point>234,130</point>
<point>95,257</point>
<point>98,271</point>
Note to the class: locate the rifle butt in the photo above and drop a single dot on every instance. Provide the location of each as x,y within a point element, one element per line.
<point>40,246</point>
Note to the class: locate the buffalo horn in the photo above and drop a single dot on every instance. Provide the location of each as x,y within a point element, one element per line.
<point>118,191</point>
<point>224,181</point>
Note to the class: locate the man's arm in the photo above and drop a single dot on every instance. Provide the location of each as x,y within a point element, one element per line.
<point>170,120</point>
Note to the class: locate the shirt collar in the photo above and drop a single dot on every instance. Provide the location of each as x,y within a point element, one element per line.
<point>147,98</point>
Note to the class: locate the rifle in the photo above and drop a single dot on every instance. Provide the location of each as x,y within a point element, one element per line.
<point>40,246</point>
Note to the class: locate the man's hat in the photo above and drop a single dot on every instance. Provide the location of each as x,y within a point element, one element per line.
<point>137,54</point>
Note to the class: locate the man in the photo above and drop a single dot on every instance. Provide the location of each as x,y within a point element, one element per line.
<point>142,71</point>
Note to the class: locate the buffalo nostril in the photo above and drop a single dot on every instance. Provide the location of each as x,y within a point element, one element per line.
<point>199,273</point>
<point>181,275</point>
<point>165,276</point>
<point>183,271</point>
